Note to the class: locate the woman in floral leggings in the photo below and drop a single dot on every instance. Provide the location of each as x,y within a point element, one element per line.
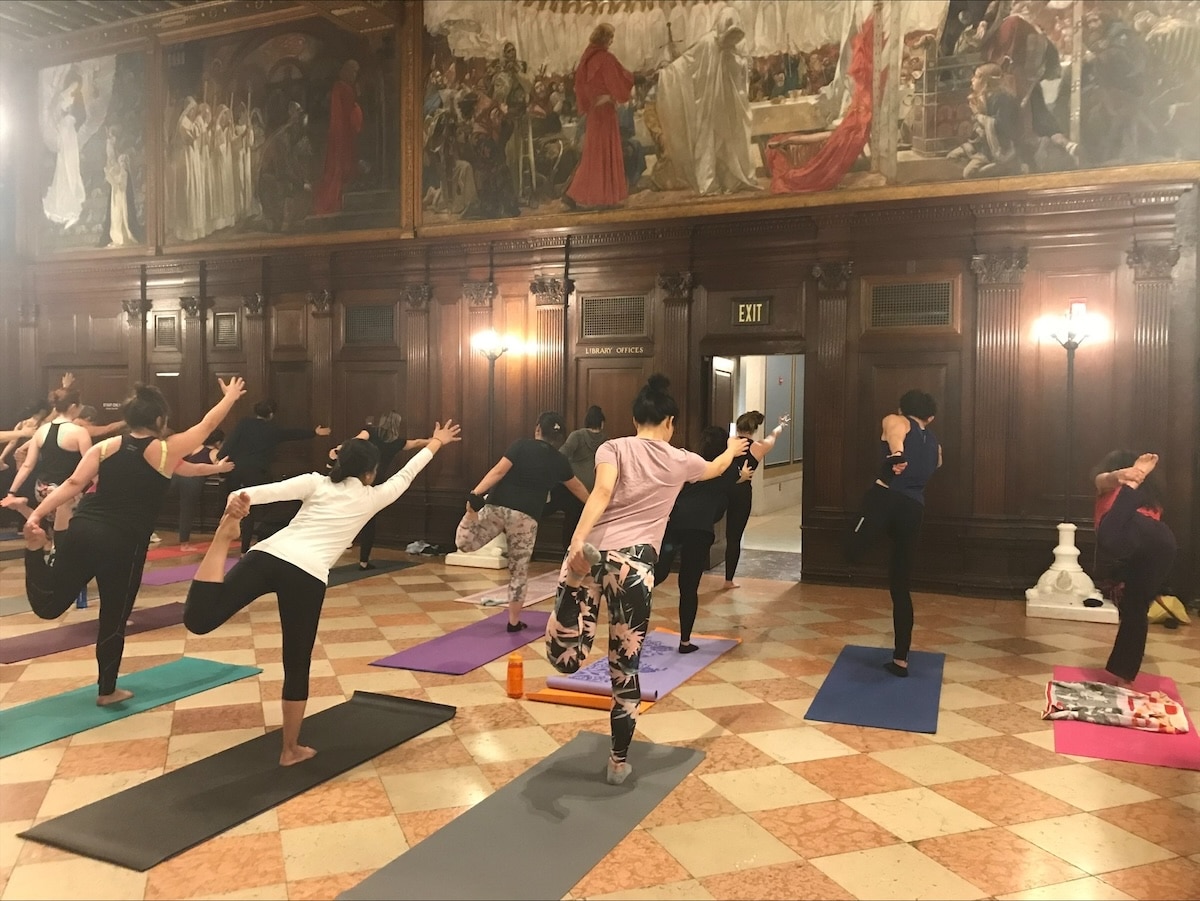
<point>637,480</point>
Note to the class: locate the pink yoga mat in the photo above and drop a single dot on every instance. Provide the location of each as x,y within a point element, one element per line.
<point>168,553</point>
<point>171,574</point>
<point>1120,743</point>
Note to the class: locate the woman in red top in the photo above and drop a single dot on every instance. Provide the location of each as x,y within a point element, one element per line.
<point>1135,551</point>
<point>601,82</point>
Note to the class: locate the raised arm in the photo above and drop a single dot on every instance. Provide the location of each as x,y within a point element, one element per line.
<point>390,490</point>
<point>300,434</point>
<point>204,469</point>
<point>297,488</point>
<point>493,477</point>
<point>181,444</point>
<point>734,449</point>
<point>759,449</point>
<point>416,443</point>
<point>98,431</point>
<point>15,434</point>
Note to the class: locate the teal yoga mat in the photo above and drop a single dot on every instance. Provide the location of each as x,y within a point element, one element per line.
<point>72,712</point>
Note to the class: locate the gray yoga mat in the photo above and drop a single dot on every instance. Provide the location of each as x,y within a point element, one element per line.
<point>562,807</point>
<point>9,606</point>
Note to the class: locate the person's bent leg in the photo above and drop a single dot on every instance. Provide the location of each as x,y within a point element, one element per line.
<point>300,597</point>
<point>214,595</point>
<point>629,620</point>
<point>1145,574</point>
<point>53,586</point>
<point>477,529</point>
<point>521,532</point>
<point>572,625</point>
<point>871,523</point>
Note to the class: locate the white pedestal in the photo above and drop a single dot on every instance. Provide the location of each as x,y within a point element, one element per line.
<point>493,555</point>
<point>1060,592</point>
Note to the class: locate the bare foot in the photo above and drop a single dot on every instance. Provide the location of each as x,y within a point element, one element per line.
<point>35,538</point>
<point>298,754</point>
<point>1145,464</point>
<point>729,584</point>
<point>228,529</point>
<point>115,698</point>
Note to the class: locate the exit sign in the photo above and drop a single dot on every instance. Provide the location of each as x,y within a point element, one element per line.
<point>751,311</point>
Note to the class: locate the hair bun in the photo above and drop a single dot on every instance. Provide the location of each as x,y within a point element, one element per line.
<point>658,382</point>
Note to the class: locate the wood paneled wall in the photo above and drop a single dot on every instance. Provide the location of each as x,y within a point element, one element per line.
<point>280,319</point>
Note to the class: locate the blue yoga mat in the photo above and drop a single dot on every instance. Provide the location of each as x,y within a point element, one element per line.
<point>72,712</point>
<point>859,692</point>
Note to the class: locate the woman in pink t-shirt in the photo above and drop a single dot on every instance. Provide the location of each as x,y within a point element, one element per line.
<point>637,480</point>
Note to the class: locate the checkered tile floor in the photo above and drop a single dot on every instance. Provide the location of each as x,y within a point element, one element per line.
<point>779,808</point>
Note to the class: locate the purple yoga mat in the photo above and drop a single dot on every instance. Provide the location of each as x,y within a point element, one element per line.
<point>171,574</point>
<point>80,635</point>
<point>471,647</point>
<point>662,669</point>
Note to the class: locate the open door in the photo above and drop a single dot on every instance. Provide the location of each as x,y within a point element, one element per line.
<point>722,386</point>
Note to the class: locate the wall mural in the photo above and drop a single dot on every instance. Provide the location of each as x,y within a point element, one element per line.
<point>282,131</point>
<point>541,106</point>
<point>92,168</point>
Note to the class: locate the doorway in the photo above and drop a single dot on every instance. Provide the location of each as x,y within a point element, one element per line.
<point>774,385</point>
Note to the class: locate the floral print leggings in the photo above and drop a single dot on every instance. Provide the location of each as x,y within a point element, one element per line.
<point>625,578</point>
<point>520,531</point>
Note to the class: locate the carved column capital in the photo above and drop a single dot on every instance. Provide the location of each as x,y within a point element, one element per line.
<point>254,304</point>
<point>1152,262</point>
<point>550,291</point>
<point>479,295</point>
<point>677,286</point>
<point>28,315</point>
<point>417,297</point>
<point>1001,268</point>
<point>194,307</point>
<point>135,309</point>
<point>321,302</point>
<point>832,278</point>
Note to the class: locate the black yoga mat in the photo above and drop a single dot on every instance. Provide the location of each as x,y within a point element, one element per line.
<point>563,807</point>
<point>149,823</point>
<point>342,575</point>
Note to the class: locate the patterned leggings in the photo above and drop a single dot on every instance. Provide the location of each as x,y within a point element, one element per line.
<point>520,531</point>
<point>626,579</point>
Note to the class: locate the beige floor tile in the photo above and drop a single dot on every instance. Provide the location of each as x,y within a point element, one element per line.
<point>435,789</point>
<point>765,788</point>
<point>552,714</point>
<point>1086,788</point>
<point>10,845</point>
<point>166,647</point>
<point>188,748</point>
<point>688,890</point>
<point>916,813</point>
<point>722,844</point>
<point>33,765</point>
<point>273,671</point>
<point>273,711</point>
<point>714,694</point>
<point>147,724</point>
<point>798,745</point>
<point>956,696</point>
<point>679,726</point>
<point>65,795</point>
<point>64,669</point>
<point>78,877</point>
<point>267,821</point>
<point>235,658</point>
<point>1192,800</point>
<point>384,682</point>
<point>1090,844</point>
<point>244,691</point>
<point>1087,889</point>
<point>956,727</point>
<point>341,847</point>
<point>1044,738</point>
<point>895,873</point>
<point>500,745</point>
<point>967,671</point>
<point>378,648</point>
<point>1072,642</point>
<point>259,893</point>
<point>930,765</point>
<point>743,670</point>
<point>469,694</point>
<point>421,630</point>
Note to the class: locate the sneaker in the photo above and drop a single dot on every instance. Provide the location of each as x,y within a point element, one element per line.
<point>617,772</point>
<point>154,539</point>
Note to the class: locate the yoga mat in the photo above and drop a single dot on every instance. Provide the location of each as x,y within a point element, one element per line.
<point>71,712</point>
<point>151,822</point>
<point>470,647</point>
<point>537,589</point>
<point>562,807</point>
<point>1119,743</point>
<point>859,692</point>
<point>578,699</point>
<point>662,669</point>
<point>9,606</point>
<point>342,575</point>
<point>82,634</point>
<point>171,574</point>
<point>169,553</point>
<point>12,553</point>
<point>9,536</point>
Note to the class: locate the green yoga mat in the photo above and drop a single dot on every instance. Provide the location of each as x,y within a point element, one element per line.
<point>72,712</point>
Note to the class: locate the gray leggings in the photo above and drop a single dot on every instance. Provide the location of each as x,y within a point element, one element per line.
<point>520,531</point>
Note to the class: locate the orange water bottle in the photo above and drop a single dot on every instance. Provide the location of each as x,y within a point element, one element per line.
<point>516,675</point>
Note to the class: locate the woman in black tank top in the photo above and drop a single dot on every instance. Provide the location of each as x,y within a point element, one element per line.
<point>740,495</point>
<point>55,451</point>
<point>110,531</point>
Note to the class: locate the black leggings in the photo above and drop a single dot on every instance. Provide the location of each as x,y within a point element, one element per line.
<point>299,595</point>
<point>1142,550</point>
<point>191,488</point>
<point>899,516</point>
<point>693,546</point>
<point>85,551</point>
<point>736,518</point>
<point>366,540</point>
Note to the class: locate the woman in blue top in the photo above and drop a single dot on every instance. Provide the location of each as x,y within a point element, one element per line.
<point>909,456</point>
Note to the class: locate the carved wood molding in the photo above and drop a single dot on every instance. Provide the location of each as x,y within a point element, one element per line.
<point>417,297</point>
<point>321,302</point>
<point>794,227</point>
<point>1005,267</point>
<point>194,307</point>
<point>1152,262</point>
<point>135,309</point>
<point>479,295</point>
<point>550,291</point>
<point>28,315</point>
<point>676,286</point>
<point>890,216</point>
<point>254,304</point>
<point>832,278</point>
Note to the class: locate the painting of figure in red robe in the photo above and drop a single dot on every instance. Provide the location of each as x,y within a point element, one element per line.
<point>283,131</point>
